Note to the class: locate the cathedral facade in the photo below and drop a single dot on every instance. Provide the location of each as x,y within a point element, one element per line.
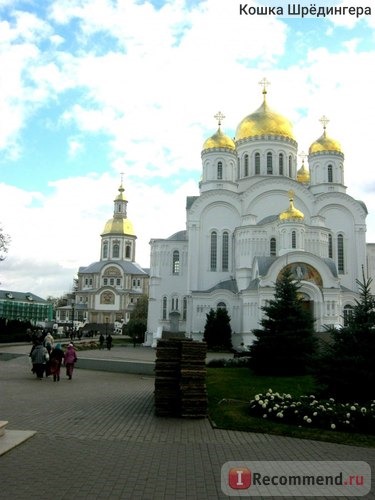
<point>257,214</point>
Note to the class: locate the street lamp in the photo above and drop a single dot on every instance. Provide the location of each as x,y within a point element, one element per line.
<point>72,304</point>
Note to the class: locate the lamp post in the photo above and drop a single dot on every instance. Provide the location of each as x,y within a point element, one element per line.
<point>72,304</point>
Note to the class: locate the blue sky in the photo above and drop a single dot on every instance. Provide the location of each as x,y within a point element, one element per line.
<point>90,89</point>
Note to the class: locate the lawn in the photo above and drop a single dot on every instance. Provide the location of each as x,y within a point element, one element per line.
<point>230,390</point>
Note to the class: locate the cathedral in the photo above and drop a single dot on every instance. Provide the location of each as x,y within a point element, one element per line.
<point>259,213</point>
<point>107,290</point>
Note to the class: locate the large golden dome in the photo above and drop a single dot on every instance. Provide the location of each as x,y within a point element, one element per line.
<point>219,140</point>
<point>264,121</point>
<point>118,226</point>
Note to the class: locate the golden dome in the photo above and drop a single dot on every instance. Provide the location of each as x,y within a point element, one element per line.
<point>303,174</point>
<point>120,226</point>
<point>121,195</point>
<point>264,121</point>
<point>292,213</point>
<point>219,140</point>
<point>325,143</point>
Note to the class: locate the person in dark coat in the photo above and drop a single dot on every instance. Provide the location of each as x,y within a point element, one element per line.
<point>39,357</point>
<point>109,342</point>
<point>55,360</point>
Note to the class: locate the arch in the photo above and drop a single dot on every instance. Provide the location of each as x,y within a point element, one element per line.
<point>176,262</point>
<point>219,170</point>
<point>115,250</point>
<point>273,246</point>
<point>330,173</point>
<point>246,165</point>
<point>269,163</point>
<point>257,164</point>
<point>213,251</point>
<point>281,163</point>
<point>225,251</point>
<point>340,254</point>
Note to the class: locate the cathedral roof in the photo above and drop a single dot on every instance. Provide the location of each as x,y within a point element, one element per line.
<point>264,121</point>
<point>219,140</point>
<point>325,143</point>
<point>118,226</point>
<point>179,236</point>
<point>230,285</point>
<point>127,266</point>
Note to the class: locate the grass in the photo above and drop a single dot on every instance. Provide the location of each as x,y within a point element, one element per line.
<point>230,390</point>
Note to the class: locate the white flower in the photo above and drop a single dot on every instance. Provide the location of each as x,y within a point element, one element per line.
<point>264,406</point>
<point>347,422</point>
<point>280,414</point>
<point>348,415</point>
<point>265,415</point>
<point>257,397</point>
<point>332,400</point>
<point>260,402</point>
<point>305,417</point>
<point>312,396</point>
<point>363,410</point>
<point>315,413</point>
<point>353,408</point>
<point>333,426</point>
<point>309,420</point>
<point>270,390</point>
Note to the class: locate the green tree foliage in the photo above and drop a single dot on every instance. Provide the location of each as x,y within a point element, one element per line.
<point>217,331</point>
<point>137,325</point>
<point>346,369</point>
<point>286,343</point>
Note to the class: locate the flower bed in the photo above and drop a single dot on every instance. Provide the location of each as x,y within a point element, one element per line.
<point>307,411</point>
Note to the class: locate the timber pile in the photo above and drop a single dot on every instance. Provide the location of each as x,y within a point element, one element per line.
<point>180,378</point>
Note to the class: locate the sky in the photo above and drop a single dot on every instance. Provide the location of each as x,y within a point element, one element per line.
<point>92,91</point>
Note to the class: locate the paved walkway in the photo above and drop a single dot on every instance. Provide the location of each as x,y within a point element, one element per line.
<point>97,438</point>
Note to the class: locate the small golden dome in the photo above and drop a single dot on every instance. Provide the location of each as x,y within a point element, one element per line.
<point>264,121</point>
<point>219,140</point>
<point>325,143</point>
<point>292,213</point>
<point>120,226</point>
<point>303,174</point>
<point>121,195</point>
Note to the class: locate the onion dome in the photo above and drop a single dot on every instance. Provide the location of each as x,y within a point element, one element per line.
<point>325,143</point>
<point>264,121</point>
<point>303,174</point>
<point>119,224</point>
<point>292,213</point>
<point>219,140</point>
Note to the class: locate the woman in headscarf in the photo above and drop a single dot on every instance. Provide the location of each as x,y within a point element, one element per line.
<point>55,360</point>
<point>70,357</point>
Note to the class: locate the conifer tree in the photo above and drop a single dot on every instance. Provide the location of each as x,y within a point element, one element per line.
<point>286,343</point>
<point>217,331</point>
<point>346,369</point>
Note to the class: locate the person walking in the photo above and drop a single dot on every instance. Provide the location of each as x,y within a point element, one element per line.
<point>109,341</point>
<point>39,356</point>
<point>55,360</point>
<point>101,341</point>
<point>48,344</point>
<point>70,357</point>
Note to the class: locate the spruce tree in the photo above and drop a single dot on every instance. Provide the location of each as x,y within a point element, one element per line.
<point>217,331</point>
<point>346,369</point>
<point>286,343</point>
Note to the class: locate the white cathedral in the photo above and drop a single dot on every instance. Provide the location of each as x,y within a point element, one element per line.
<point>258,214</point>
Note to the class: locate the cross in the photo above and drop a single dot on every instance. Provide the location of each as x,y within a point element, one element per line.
<point>324,121</point>
<point>303,155</point>
<point>122,176</point>
<point>219,117</point>
<point>265,84</point>
<point>291,194</point>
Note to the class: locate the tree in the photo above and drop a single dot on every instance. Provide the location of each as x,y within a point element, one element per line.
<point>346,368</point>
<point>217,331</point>
<point>4,243</point>
<point>137,324</point>
<point>286,344</point>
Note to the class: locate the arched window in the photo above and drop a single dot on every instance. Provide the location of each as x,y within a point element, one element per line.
<point>213,256</point>
<point>330,173</point>
<point>105,250</point>
<point>281,164</point>
<point>221,305</point>
<point>220,170</point>
<point>269,164</point>
<point>330,246</point>
<point>184,308</point>
<point>225,252</point>
<point>246,165</point>
<point>127,251</point>
<point>290,165</point>
<point>164,313</point>
<point>348,313</point>
<point>176,262</point>
<point>257,163</point>
<point>294,239</point>
<point>273,246</point>
<point>340,253</point>
<point>116,251</point>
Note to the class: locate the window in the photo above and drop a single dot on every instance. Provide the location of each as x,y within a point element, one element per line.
<point>164,308</point>
<point>176,262</point>
<point>220,170</point>
<point>105,281</point>
<point>273,246</point>
<point>340,253</point>
<point>116,251</point>
<point>225,252</point>
<point>105,250</point>
<point>118,282</point>
<point>269,164</point>
<point>112,281</point>
<point>330,173</point>
<point>184,308</point>
<point>246,169</point>
<point>330,247</point>
<point>221,305</point>
<point>257,163</point>
<point>174,304</point>
<point>127,251</point>
<point>290,165</point>
<point>213,250</point>
<point>294,239</point>
<point>348,313</point>
<point>281,164</point>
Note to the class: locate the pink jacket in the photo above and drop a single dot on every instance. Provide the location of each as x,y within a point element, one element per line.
<point>70,355</point>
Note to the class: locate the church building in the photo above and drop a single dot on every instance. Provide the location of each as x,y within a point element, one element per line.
<point>107,290</point>
<point>259,213</point>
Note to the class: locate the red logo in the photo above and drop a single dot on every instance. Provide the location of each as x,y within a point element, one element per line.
<point>239,478</point>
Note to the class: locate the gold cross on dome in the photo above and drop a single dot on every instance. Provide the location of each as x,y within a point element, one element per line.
<point>291,194</point>
<point>324,121</point>
<point>265,84</point>
<point>303,155</point>
<point>219,117</point>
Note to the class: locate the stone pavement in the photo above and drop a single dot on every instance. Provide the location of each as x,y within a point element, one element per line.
<point>97,438</point>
